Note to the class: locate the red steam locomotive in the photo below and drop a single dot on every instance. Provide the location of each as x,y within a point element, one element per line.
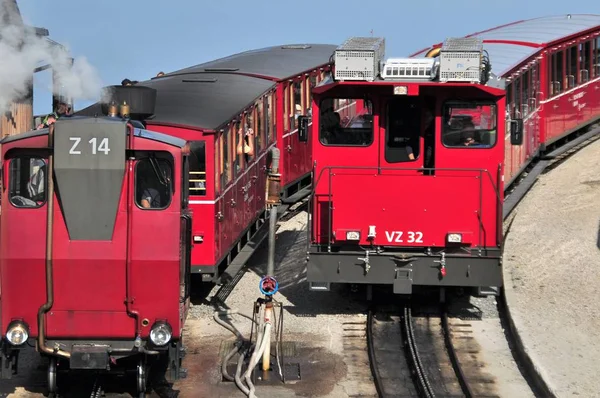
<point>102,249</point>
<point>254,97</point>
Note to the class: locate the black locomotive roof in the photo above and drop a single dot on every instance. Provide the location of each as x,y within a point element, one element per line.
<point>208,95</point>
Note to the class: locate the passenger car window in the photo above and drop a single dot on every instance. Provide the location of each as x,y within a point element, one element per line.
<point>345,122</point>
<point>469,124</point>
<point>197,163</point>
<point>153,179</point>
<point>27,182</point>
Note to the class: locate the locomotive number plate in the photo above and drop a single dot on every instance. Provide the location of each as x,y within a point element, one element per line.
<point>404,236</point>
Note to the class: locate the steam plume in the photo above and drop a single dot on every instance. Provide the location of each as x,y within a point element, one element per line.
<point>21,51</point>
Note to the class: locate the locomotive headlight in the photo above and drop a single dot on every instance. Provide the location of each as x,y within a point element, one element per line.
<point>160,334</point>
<point>352,235</point>
<point>454,238</point>
<point>17,333</point>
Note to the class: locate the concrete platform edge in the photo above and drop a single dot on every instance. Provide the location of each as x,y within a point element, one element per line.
<point>528,357</point>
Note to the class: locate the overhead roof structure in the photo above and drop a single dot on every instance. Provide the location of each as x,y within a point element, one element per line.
<point>207,95</point>
<point>510,44</point>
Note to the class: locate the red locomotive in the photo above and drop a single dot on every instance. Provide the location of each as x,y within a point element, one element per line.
<point>402,201</point>
<point>254,96</point>
<point>408,185</point>
<point>102,249</point>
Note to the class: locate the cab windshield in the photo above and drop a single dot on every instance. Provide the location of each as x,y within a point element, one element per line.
<point>469,124</point>
<point>345,122</point>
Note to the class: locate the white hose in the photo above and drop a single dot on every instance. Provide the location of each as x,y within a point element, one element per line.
<point>256,356</point>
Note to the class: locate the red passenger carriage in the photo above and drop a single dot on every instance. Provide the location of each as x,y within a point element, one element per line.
<point>94,263</point>
<point>408,188</point>
<point>552,69</point>
<point>209,104</point>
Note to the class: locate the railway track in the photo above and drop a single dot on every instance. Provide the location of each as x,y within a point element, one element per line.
<point>424,355</point>
<point>419,356</point>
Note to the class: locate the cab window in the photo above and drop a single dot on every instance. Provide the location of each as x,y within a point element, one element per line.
<point>197,164</point>
<point>27,182</point>
<point>469,124</point>
<point>345,122</point>
<point>153,179</point>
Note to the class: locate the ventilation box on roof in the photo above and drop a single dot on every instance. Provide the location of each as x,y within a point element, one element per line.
<point>359,58</point>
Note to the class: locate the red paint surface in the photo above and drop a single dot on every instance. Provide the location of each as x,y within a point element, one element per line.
<point>365,190</point>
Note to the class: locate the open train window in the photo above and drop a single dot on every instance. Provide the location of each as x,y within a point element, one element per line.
<point>153,183</point>
<point>197,164</point>
<point>27,182</point>
<point>345,122</point>
<point>403,130</point>
<point>469,124</point>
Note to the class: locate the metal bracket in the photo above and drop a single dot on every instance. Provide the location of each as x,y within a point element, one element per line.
<point>366,261</point>
<point>403,281</point>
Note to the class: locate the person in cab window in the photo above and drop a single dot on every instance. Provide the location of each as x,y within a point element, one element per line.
<point>150,198</point>
<point>398,138</point>
<point>330,125</point>
<point>246,143</point>
<point>148,186</point>
<point>36,183</point>
<point>468,139</point>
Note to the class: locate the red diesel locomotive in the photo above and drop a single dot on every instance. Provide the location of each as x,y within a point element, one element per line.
<point>549,70</point>
<point>95,262</point>
<point>253,96</point>
<point>408,183</point>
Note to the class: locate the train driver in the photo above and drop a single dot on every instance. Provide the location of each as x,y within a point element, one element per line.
<point>150,198</point>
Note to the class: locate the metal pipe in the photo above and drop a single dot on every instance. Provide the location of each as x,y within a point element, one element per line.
<point>49,280</point>
<point>272,228</point>
<point>130,191</point>
<point>275,160</point>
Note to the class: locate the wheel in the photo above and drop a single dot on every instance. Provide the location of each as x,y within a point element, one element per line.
<point>141,379</point>
<point>52,375</point>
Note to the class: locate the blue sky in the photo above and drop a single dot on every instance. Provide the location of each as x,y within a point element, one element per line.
<point>138,38</point>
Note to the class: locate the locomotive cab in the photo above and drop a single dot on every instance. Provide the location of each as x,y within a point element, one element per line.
<point>94,262</point>
<point>408,172</point>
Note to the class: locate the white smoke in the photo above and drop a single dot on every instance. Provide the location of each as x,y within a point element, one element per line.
<point>21,51</point>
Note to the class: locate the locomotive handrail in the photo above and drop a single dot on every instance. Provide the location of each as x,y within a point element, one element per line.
<point>486,171</point>
<point>379,169</point>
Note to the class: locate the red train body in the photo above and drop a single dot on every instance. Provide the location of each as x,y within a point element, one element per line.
<point>358,189</point>
<point>208,104</point>
<point>102,251</point>
<point>552,71</point>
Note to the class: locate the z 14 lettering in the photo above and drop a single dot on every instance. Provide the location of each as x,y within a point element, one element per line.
<point>399,237</point>
<point>103,147</point>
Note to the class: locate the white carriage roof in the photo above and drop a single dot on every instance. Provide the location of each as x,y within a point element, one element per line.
<point>510,44</point>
